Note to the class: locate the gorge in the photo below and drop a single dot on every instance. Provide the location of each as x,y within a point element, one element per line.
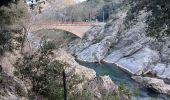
<point>126,58</point>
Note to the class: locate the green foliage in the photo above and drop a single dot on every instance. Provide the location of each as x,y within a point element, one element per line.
<point>48,45</point>
<point>111,97</point>
<point>5,43</point>
<point>19,90</point>
<point>70,37</point>
<point>12,12</point>
<point>7,2</point>
<point>1,79</point>
<point>86,11</point>
<point>55,91</point>
<point>123,90</point>
<point>158,22</point>
<point>46,75</point>
<point>73,81</point>
<point>85,95</point>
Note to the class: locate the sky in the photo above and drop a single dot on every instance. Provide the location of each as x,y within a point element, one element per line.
<point>80,0</point>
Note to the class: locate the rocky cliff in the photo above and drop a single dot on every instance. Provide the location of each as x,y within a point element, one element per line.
<point>128,40</point>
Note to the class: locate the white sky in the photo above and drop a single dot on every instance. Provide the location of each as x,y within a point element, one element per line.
<point>80,0</point>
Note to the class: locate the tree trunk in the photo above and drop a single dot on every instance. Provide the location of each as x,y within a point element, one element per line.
<point>64,85</point>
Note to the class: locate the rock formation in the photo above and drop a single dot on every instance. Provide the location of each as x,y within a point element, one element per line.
<point>155,84</point>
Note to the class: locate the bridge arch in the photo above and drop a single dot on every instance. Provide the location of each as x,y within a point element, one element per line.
<point>48,32</point>
<point>78,30</point>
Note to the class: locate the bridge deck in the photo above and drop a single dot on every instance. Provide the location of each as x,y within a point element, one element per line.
<point>70,23</point>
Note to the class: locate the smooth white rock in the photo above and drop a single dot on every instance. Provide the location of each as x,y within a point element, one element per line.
<point>120,53</point>
<point>96,52</point>
<point>136,63</point>
<point>140,61</point>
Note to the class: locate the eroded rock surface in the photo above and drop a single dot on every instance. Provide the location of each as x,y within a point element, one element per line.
<point>162,70</point>
<point>155,84</point>
<point>136,63</point>
<point>101,85</point>
<point>96,52</point>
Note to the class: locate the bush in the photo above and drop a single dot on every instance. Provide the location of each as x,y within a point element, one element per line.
<point>1,79</point>
<point>123,90</point>
<point>85,95</point>
<point>11,12</point>
<point>48,45</point>
<point>5,42</point>
<point>45,75</point>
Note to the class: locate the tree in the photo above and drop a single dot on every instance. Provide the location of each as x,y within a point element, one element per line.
<point>7,2</point>
<point>158,21</point>
<point>11,12</point>
<point>86,11</point>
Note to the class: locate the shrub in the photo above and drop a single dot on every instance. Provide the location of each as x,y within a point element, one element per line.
<point>123,90</point>
<point>5,43</point>
<point>85,95</point>
<point>1,79</point>
<point>48,45</point>
<point>11,12</point>
<point>45,75</point>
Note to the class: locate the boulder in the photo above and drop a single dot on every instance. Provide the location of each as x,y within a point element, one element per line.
<point>96,52</point>
<point>77,46</point>
<point>161,70</point>
<point>101,85</point>
<point>123,52</point>
<point>155,84</point>
<point>137,63</point>
<point>136,34</point>
<point>73,66</point>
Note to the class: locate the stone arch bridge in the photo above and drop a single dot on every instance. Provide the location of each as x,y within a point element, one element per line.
<point>77,28</point>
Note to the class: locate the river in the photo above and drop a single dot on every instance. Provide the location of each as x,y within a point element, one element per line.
<point>119,76</point>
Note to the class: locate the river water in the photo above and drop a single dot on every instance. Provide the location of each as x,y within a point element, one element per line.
<point>119,76</point>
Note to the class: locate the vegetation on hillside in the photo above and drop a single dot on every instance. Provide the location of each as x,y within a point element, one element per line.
<point>86,11</point>
<point>158,22</point>
<point>45,75</point>
<point>11,12</point>
<point>92,10</point>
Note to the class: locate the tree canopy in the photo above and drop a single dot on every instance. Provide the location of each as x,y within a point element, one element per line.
<point>7,2</point>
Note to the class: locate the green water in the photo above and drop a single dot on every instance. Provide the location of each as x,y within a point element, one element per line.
<point>119,76</point>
